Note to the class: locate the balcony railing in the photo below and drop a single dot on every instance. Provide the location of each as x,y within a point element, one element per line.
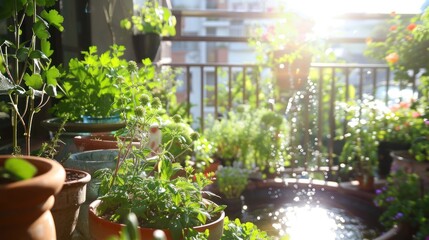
<point>209,88</point>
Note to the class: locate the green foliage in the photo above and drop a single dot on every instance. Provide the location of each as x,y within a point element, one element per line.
<point>232,180</point>
<point>242,231</point>
<point>404,49</point>
<point>420,148</point>
<point>177,139</point>
<point>151,183</point>
<point>404,202</point>
<point>16,169</point>
<point>360,148</point>
<point>97,85</point>
<point>26,73</point>
<point>253,137</point>
<point>151,18</point>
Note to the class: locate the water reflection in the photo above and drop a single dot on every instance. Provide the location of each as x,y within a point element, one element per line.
<point>307,222</point>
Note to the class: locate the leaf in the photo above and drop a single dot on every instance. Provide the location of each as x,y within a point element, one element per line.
<point>51,90</point>
<point>54,19</point>
<point>51,76</point>
<point>37,54</point>
<point>40,2</point>
<point>22,54</point>
<point>35,81</point>
<point>40,28</point>
<point>21,168</point>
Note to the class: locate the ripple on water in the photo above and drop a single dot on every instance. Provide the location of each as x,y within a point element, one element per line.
<point>302,222</point>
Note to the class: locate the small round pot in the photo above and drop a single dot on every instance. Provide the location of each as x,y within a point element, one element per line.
<point>90,161</point>
<point>366,182</point>
<point>25,205</point>
<point>403,160</point>
<point>101,229</point>
<point>68,202</point>
<point>97,142</point>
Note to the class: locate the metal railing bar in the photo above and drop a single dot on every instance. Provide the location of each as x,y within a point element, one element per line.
<point>188,90</point>
<point>229,88</point>
<point>202,98</point>
<point>332,120</point>
<point>215,92</point>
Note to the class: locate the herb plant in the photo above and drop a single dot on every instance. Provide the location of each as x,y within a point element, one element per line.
<point>26,72</point>
<point>238,230</point>
<point>232,180</point>
<point>151,183</point>
<point>92,84</point>
<point>360,148</point>
<point>404,203</point>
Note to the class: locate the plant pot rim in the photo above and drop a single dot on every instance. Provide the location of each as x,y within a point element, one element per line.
<point>44,167</point>
<point>402,155</point>
<point>81,181</point>
<point>53,124</point>
<point>92,214</point>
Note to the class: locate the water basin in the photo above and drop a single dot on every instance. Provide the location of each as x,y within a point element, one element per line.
<point>304,210</point>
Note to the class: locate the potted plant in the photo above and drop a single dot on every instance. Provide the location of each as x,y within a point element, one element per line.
<point>285,46</point>
<point>394,133</point>
<point>30,184</point>
<point>359,153</point>
<point>246,230</point>
<point>92,92</point>
<point>231,181</point>
<point>405,205</point>
<point>150,22</point>
<point>29,80</point>
<point>69,200</point>
<point>253,137</point>
<point>147,182</point>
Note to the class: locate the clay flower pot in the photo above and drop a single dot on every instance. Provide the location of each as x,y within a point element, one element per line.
<point>68,202</point>
<point>97,142</point>
<point>25,205</point>
<point>101,229</point>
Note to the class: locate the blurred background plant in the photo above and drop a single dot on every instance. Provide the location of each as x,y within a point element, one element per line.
<point>405,203</point>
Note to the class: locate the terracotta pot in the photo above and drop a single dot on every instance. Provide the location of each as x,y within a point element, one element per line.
<point>292,76</point>
<point>404,161</point>
<point>25,205</point>
<point>90,161</point>
<point>366,182</point>
<point>101,229</point>
<point>97,142</point>
<point>384,157</point>
<point>68,202</point>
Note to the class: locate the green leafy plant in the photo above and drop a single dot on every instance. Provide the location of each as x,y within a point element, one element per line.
<point>241,231</point>
<point>397,123</point>
<point>150,182</point>
<point>402,49</point>
<point>92,84</point>
<point>26,72</point>
<point>253,137</point>
<point>360,149</point>
<point>151,18</point>
<point>232,180</point>
<point>404,203</point>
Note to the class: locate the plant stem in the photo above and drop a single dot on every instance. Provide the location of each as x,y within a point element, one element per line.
<point>16,79</point>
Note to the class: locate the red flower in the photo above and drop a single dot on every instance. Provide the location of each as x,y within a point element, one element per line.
<point>415,114</point>
<point>393,28</point>
<point>411,26</point>
<point>404,104</point>
<point>392,58</point>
